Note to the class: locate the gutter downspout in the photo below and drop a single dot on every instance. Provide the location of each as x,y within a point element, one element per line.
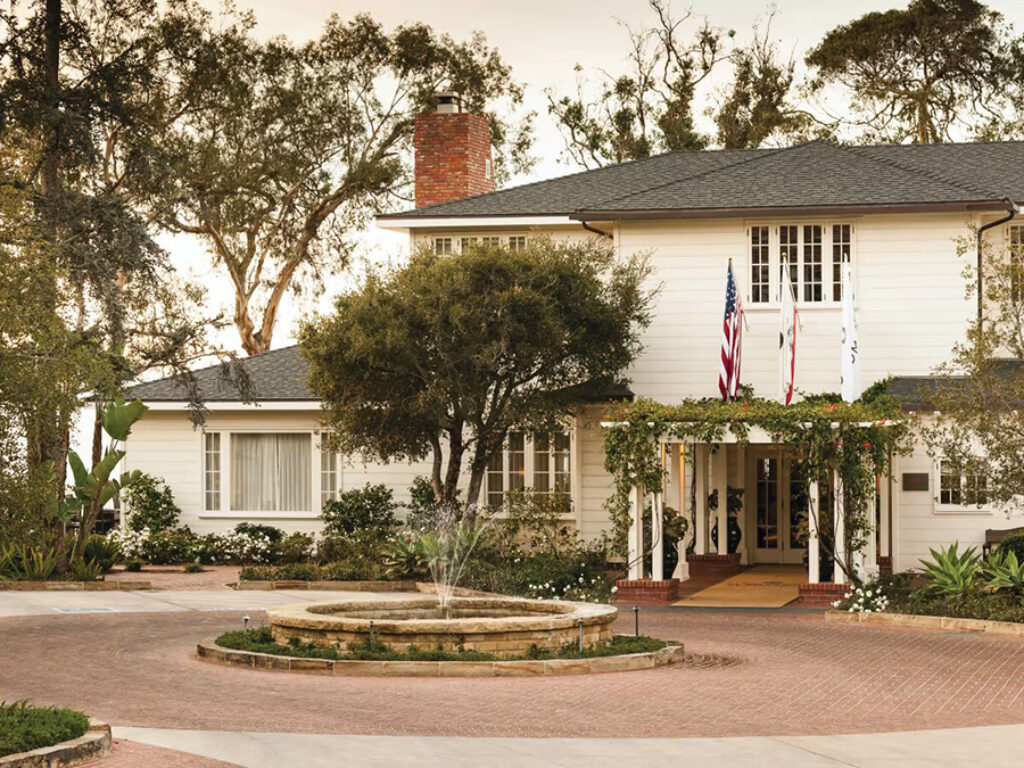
<point>597,231</point>
<point>1012,211</point>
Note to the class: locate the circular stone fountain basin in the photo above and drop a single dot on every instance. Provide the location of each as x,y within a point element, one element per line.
<point>503,626</point>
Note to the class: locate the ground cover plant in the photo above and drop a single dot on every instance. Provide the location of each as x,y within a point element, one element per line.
<point>953,583</point>
<point>260,640</point>
<point>24,727</point>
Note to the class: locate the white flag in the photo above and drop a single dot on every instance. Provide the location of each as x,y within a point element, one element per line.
<point>787,336</point>
<point>849,372</point>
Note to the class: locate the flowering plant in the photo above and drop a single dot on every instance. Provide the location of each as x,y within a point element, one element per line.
<point>863,599</point>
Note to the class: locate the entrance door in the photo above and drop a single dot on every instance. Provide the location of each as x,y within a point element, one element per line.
<point>778,523</point>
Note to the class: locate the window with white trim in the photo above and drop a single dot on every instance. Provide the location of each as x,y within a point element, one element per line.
<point>271,472</point>
<point>961,488</point>
<point>517,243</point>
<point>446,245</point>
<point>211,471</point>
<point>330,471</point>
<point>541,463</point>
<point>465,243</point>
<point>442,246</point>
<point>805,249</point>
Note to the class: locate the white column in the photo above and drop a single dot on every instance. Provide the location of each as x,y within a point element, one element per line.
<point>700,467</point>
<point>741,516</point>
<point>658,537</point>
<point>868,560</point>
<point>720,483</point>
<point>636,535</point>
<point>839,531</point>
<point>679,489</point>
<point>813,552</point>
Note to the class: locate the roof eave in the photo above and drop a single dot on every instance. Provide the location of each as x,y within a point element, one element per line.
<point>965,206</point>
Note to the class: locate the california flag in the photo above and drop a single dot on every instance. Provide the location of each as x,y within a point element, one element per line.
<point>849,371</point>
<point>787,337</point>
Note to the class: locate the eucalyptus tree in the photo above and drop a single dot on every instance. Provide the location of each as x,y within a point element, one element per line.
<point>297,146</point>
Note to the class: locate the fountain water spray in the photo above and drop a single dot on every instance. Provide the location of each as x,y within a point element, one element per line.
<point>448,548</point>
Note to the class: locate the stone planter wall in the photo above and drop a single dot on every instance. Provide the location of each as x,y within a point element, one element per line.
<point>74,586</point>
<point>670,654</point>
<point>943,623</point>
<point>95,743</point>
<point>505,627</point>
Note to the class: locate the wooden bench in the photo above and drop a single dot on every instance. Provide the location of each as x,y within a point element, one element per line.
<point>993,536</point>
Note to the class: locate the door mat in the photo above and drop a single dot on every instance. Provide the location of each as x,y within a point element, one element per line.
<point>771,586</point>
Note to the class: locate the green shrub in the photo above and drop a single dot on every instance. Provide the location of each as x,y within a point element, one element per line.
<point>422,509</point>
<point>102,551</point>
<point>209,549</point>
<point>405,557</point>
<point>257,573</point>
<point>85,570</point>
<point>1013,543</point>
<point>150,504</point>
<point>24,728</point>
<point>353,569</point>
<point>169,547</point>
<point>256,530</point>
<point>133,566</point>
<point>24,563</point>
<point>362,509</point>
<point>295,548</point>
<point>952,573</point>
<point>1003,572</point>
<point>194,567</point>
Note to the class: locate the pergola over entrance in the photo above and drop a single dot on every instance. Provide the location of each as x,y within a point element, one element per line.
<point>696,469</point>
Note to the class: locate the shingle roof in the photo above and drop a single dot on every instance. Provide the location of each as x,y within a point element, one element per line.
<point>916,393</point>
<point>815,174</point>
<point>279,375</point>
<point>276,375</point>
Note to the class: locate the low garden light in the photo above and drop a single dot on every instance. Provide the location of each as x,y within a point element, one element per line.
<point>636,620</point>
<point>245,623</point>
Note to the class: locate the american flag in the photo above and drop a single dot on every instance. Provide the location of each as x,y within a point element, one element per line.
<point>732,340</point>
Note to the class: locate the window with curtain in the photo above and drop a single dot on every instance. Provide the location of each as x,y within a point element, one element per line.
<point>271,472</point>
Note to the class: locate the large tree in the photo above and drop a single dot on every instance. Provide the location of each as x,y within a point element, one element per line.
<point>648,108</point>
<point>443,357</point>
<point>85,94</point>
<point>924,73</point>
<point>297,146</point>
<point>976,428</point>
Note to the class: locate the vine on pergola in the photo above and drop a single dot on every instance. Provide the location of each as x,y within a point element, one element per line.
<point>823,433</point>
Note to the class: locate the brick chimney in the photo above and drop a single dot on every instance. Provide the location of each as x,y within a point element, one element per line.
<point>453,153</point>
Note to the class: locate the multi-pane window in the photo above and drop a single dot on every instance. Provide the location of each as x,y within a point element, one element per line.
<point>540,462</point>
<point>211,471</point>
<point>841,253</point>
<point>760,271</point>
<point>329,474</point>
<point>965,489</point>
<point>812,277</point>
<point>802,248</point>
<point>445,246</point>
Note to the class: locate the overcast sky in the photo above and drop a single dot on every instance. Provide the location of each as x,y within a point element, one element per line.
<point>542,40</point>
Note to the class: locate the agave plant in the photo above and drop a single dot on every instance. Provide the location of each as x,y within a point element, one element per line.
<point>1003,572</point>
<point>952,573</point>
<point>85,570</point>
<point>38,564</point>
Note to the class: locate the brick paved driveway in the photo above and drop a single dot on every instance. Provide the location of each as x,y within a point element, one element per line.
<point>785,673</point>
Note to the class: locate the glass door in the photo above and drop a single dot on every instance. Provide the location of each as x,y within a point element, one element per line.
<point>780,509</point>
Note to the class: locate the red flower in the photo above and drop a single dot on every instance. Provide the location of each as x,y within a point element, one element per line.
<point>867,446</point>
<point>833,406</point>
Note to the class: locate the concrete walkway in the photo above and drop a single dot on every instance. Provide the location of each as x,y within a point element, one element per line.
<point>990,746</point>
<point>71,602</point>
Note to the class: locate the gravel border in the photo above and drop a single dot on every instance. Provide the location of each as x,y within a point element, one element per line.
<point>95,743</point>
<point>670,654</point>
<point>944,623</point>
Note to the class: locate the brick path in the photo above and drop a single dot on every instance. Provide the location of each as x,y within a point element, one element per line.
<point>173,577</point>
<point>751,673</point>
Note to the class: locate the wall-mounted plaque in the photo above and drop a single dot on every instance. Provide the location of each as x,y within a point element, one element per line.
<point>915,481</point>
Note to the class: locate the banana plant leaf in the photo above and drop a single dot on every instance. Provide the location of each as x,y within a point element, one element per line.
<point>119,417</point>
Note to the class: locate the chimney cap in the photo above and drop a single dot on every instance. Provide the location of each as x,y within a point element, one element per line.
<point>448,102</point>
